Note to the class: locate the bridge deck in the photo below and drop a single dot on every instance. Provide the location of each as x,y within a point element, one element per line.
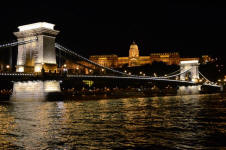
<point>30,76</point>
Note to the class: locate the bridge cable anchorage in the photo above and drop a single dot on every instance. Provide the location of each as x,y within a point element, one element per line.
<point>87,60</point>
<point>18,43</point>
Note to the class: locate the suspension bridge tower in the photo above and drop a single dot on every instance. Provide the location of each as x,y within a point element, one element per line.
<point>192,69</point>
<point>34,56</point>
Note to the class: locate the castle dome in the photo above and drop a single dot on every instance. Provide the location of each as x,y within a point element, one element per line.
<point>134,46</point>
<point>133,51</point>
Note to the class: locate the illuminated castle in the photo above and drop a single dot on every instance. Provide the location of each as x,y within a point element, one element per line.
<point>134,59</point>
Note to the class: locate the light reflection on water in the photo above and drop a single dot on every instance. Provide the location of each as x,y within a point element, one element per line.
<point>34,90</point>
<point>188,90</point>
<point>183,122</point>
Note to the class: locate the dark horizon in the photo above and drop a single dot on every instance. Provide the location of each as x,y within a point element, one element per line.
<point>192,29</point>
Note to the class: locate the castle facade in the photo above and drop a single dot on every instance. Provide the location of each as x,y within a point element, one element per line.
<point>134,59</point>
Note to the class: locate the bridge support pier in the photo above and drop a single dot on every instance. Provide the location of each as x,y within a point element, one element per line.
<point>34,56</point>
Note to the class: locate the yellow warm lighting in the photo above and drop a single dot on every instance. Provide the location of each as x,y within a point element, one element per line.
<point>38,69</point>
<point>21,69</point>
<point>164,56</point>
<point>7,66</point>
<point>195,80</point>
<point>88,82</point>
<point>36,26</point>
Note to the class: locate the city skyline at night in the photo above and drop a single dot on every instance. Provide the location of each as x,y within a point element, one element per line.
<point>112,75</point>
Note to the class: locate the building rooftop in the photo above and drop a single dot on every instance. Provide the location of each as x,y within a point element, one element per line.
<point>36,26</point>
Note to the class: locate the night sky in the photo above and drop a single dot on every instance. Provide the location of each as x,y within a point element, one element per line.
<point>192,29</point>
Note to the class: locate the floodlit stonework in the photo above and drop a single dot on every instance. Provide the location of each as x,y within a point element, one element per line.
<point>193,73</point>
<point>135,59</point>
<point>34,56</point>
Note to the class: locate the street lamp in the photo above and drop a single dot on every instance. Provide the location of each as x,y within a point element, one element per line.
<point>65,68</point>
<point>8,67</point>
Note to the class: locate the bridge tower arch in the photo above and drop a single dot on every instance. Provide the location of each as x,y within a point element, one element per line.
<point>34,56</point>
<point>193,73</point>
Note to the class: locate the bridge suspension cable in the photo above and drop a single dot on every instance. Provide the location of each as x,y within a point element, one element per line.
<point>60,47</point>
<point>87,60</point>
<point>173,73</point>
<point>204,77</point>
<point>18,43</point>
<point>166,77</point>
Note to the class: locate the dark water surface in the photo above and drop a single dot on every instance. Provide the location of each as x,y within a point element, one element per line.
<point>176,122</point>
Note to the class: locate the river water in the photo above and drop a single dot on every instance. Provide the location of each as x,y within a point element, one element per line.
<point>174,122</point>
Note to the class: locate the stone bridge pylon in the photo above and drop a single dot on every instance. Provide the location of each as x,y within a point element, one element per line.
<point>34,56</point>
<point>193,70</point>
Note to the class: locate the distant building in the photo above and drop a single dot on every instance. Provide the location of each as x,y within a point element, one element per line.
<point>168,58</point>
<point>105,60</point>
<point>206,59</point>
<point>134,59</point>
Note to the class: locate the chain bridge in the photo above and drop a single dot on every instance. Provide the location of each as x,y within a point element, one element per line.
<point>37,51</point>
